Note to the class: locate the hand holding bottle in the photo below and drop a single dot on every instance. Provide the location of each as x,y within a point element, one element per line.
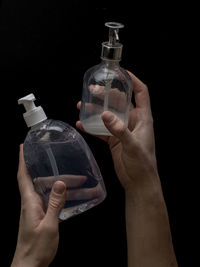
<point>38,230</point>
<point>73,184</point>
<point>55,151</point>
<point>132,148</point>
<point>133,152</point>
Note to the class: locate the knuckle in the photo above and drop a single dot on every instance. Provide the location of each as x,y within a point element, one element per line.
<point>148,120</point>
<point>54,203</point>
<point>121,129</point>
<point>145,87</point>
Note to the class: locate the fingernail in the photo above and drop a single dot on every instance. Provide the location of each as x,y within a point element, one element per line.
<point>58,188</point>
<point>108,118</point>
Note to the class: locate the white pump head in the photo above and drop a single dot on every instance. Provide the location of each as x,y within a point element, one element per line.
<point>33,114</point>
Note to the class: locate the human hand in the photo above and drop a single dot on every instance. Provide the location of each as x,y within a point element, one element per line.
<point>38,229</point>
<point>132,148</point>
<point>133,153</point>
<point>73,185</point>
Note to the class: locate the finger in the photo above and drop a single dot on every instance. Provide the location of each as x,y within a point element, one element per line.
<point>132,118</point>
<point>117,128</point>
<point>71,180</point>
<point>116,98</point>
<point>84,193</point>
<point>45,183</point>
<point>131,107</point>
<point>78,105</point>
<point>131,124</point>
<point>24,180</point>
<point>91,108</point>
<point>56,202</point>
<point>80,127</point>
<point>97,90</point>
<point>141,93</point>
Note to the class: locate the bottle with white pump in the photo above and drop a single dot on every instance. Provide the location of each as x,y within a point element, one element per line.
<point>53,150</point>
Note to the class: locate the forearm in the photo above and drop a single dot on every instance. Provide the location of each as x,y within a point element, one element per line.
<point>21,260</point>
<point>24,263</point>
<point>148,231</point>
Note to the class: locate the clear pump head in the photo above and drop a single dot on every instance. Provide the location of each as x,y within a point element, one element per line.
<point>112,49</point>
<point>33,114</point>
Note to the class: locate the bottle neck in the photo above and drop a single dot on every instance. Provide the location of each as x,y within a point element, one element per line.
<point>38,125</point>
<point>110,63</point>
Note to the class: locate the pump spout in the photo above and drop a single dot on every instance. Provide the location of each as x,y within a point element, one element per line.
<point>28,102</point>
<point>116,35</point>
<point>113,36</point>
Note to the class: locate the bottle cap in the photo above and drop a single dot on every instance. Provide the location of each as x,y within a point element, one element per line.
<point>33,114</point>
<point>112,50</point>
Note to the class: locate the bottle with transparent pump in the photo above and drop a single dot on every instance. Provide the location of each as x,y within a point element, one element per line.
<point>106,86</point>
<point>53,150</point>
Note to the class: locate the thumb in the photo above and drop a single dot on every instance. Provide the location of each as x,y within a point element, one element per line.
<point>56,201</point>
<point>117,127</point>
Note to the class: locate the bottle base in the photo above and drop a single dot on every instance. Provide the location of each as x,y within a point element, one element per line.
<point>75,210</point>
<point>95,125</point>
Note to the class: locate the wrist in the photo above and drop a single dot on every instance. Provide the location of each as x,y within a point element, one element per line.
<point>23,261</point>
<point>148,189</point>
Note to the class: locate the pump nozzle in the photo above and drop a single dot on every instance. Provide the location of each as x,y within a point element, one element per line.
<point>112,49</point>
<point>33,114</point>
<point>113,31</point>
<point>27,101</point>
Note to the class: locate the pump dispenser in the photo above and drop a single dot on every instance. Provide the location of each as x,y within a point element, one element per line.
<point>106,86</point>
<point>33,114</point>
<point>53,150</point>
<point>112,50</point>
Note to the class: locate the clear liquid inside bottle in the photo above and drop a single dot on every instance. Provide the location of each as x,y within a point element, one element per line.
<point>55,151</point>
<point>106,86</point>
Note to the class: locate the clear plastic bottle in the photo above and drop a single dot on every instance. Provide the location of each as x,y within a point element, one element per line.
<point>106,86</point>
<point>53,150</point>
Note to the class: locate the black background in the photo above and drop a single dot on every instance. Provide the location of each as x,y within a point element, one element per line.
<point>45,48</point>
